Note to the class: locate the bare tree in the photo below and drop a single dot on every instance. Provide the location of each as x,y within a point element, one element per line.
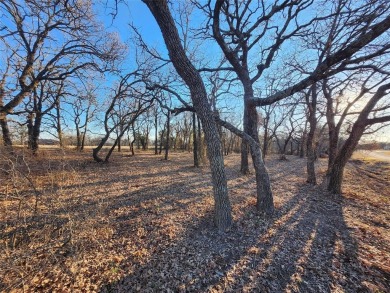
<point>51,40</point>
<point>44,98</point>
<point>3,117</point>
<point>370,115</point>
<point>132,104</point>
<point>84,108</point>
<point>311,101</point>
<point>191,77</point>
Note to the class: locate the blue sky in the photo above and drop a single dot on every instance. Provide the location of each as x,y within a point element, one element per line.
<point>137,13</point>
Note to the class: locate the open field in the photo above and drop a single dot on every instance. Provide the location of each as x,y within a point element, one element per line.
<point>379,155</point>
<point>68,224</point>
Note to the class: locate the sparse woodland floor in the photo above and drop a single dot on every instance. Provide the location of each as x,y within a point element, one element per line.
<point>143,224</point>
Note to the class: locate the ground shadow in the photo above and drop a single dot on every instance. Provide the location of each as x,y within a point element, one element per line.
<point>306,247</point>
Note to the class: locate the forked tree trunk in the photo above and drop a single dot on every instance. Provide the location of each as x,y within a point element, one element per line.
<point>345,153</point>
<point>337,171</point>
<point>95,151</point>
<point>263,186</point>
<point>83,139</point>
<point>184,67</point>
<point>34,132</point>
<point>264,204</point>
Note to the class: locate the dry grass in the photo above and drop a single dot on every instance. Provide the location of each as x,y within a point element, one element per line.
<point>144,224</point>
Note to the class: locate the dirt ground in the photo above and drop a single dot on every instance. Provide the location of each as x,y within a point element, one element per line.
<point>142,224</point>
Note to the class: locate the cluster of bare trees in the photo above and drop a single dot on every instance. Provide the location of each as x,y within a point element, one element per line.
<point>44,44</point>
<point>344,39</point>
<point>301,79</point>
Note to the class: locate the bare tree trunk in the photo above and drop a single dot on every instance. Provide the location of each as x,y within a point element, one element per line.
<point>201,147</point>
<point>84,135</point>
<point>132,142</point>
<point>195,141</point>
<point>146,145</point>
<point>345,153</point>
<point>78,137</point>
<point>34,130</point>
<point>119,143</point>
<point>30,125</point>
<point>168,135</point>
<point>303,143</point>
<point>264,203</point>
<point>161,141</point>
<point>118,140</point>
<point>263,186</point>
<point>156,134</point>
<point>95,151</point>
<point>192,78</point>
<point>265,138</point>
<point>311,154</point>
<point>244,169</point>
<point>58,123</point>
<point>333,133</point>
<point>7,141</point>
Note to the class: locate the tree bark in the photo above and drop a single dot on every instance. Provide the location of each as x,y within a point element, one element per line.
<point>244,169</point>
<point>34,132</point>
<point>195,141</point>
<point>264,203</point>
<point>78,137</point>
<point>155,134</point>
<point>58,123</point>
<point>265,137</point>
<point>168,135</point>
<point>200,144</point>
<point>7,141</point>
<point>303,143</point>
<point>161,140</point>
<point>84,135</point>
<point>133,141</point>
<point>184,67</point>
<point>263,186</point>
<point>332,129</point>
<point>240,66</point>
<point>311,157</point>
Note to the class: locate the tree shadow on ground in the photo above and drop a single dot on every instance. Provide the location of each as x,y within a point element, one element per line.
<point>306,247</point>
<point>165,230</point>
